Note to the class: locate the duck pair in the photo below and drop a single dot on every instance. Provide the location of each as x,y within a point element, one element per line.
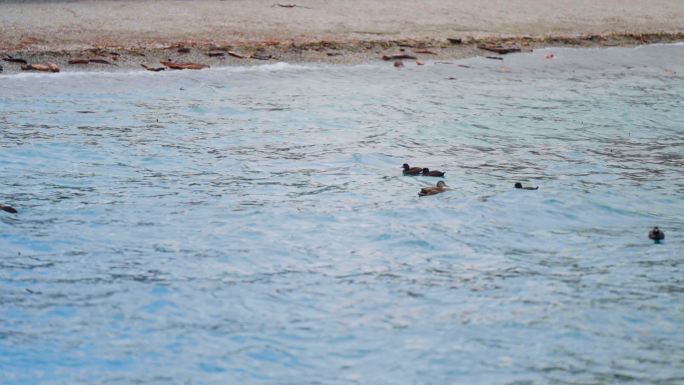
<point>425,191</point>
<point>421,171</point>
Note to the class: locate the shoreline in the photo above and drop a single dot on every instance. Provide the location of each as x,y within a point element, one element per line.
<point>129,33</point>
<point>114,58</point>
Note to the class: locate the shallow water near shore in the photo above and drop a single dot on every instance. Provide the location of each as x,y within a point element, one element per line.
<point>251,224</point>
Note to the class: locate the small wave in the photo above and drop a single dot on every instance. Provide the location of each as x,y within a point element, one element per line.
<point>271,67</point>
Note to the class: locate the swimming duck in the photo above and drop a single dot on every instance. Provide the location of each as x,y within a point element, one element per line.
<point>411,170</point>
<point>656,234</point>
<point>9,209</point>
<point>520,186</point>
<point>440,188</point>
<point>427,172</point>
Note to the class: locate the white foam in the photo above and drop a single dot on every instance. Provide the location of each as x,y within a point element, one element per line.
<point>265,68</point>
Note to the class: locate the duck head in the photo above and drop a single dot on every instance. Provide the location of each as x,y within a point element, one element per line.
<point>518,185</point>
<point>441,184</point>
<point>405,166</point>
<point>426,170</point>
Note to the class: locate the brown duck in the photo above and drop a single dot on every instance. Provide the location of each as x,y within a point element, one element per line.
<point>427,172</point>
<point>9,209</point>
<point>440,188</point>
<point>411,170</point>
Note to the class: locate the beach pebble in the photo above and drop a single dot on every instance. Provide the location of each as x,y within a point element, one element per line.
<point>398,64</point>
<point>549,55</point>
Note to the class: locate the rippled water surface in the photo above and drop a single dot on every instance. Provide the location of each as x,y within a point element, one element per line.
<point>250,225</point>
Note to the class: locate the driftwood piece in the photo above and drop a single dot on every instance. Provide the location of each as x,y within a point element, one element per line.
<point>49,67</point>
<point>101,61</point>
<point>455,40</point>
<point>183,50</point>
<point>494,57</point>
<point>216,54</point>
<point>81,60</point>
<point>425,51</point>
<point>256,56</point>
<point>237,55</point>
<point>153,69</point>
<point>11,59</point>
<point>500,49</point>
<point>183,66</point>
<point>398,57</point>
<point>291,6</point>
<point>261,56</point>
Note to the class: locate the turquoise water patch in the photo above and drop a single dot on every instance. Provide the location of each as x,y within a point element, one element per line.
<point>252,224</point>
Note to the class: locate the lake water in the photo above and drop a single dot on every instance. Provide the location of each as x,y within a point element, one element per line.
<point>251,225</point>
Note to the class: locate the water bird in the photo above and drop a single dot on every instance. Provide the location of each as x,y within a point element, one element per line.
<point>9,209</point>
<point>656,234</point>
<point>439,188</point>
<point>520,186</point>
<point>427,172</point>
<point>411,170</point>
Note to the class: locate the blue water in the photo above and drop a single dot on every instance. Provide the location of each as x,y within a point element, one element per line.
<point>250,225</point>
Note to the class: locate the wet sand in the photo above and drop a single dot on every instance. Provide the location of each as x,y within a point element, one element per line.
<point>130,33</point>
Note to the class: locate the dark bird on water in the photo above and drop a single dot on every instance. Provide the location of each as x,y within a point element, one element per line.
<point>520,186</point>
<point>440,188</point>
<point>411,170</point>
<point>656,234</point>
<point>9,209</point>
<point>427,172</point>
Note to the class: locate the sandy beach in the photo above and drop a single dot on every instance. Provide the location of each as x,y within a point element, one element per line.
<point>135,32</point>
